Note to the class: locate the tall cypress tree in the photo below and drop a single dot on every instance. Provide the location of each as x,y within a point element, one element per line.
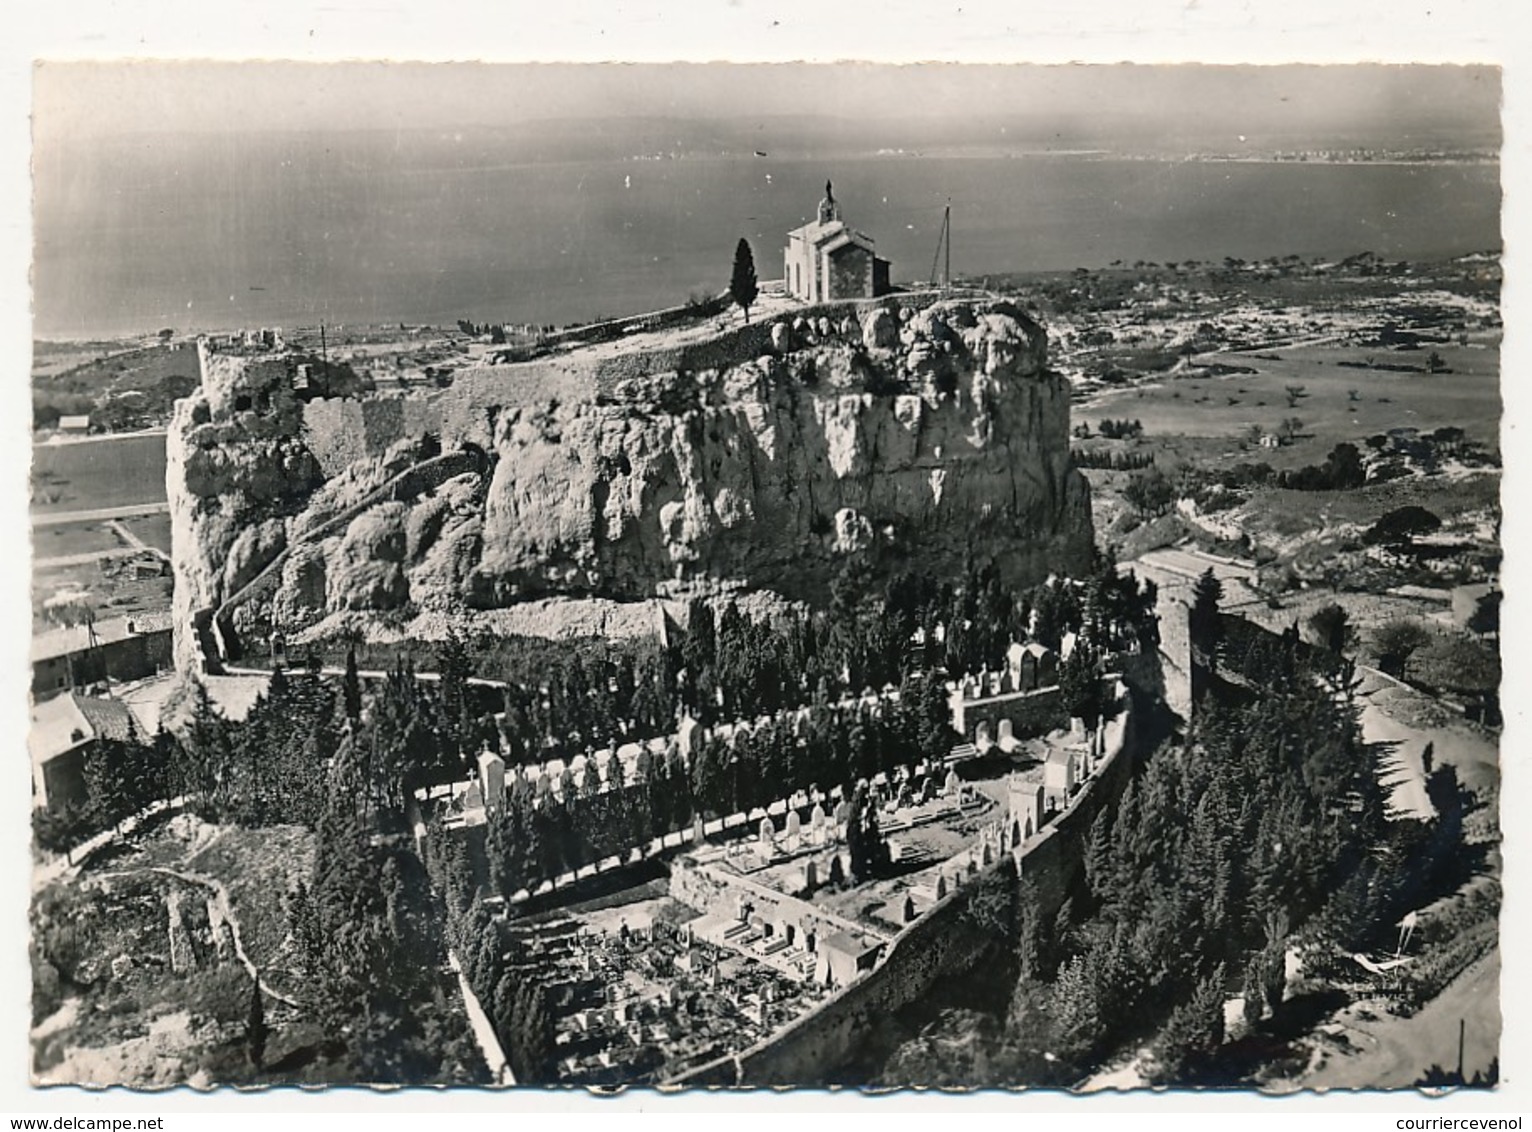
<point>352,685</point>
<point>743,288</point>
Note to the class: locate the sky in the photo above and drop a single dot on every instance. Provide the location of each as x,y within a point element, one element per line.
<point>88,100</point>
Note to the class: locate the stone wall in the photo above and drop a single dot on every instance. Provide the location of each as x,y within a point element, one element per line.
<point>851,272</point>
<point>342,430</point>
<point>933,946</point>
<point>1031,713</point>
<point>704,886</point>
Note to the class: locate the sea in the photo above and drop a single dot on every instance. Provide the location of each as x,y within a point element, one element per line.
<point>135,236</point>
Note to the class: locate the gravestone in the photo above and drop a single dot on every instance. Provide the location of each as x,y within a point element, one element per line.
<point>941,886</point>
<point>767,833</point>
<point>1007,738</point>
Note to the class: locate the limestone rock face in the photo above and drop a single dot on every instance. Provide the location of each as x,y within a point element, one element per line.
<point>903,437</point>
<point>235,465</point>
<point>368,571</point>
<point>955,439</point>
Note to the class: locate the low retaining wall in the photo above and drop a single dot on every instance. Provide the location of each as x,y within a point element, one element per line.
<point>1030,713</point>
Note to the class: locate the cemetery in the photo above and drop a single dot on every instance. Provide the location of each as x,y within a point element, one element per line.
<point>645,1003</point>
<point>758,927</point>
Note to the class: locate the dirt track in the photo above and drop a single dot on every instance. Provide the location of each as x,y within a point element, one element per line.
<point>1393,1053</point>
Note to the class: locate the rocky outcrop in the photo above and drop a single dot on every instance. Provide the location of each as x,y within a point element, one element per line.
<point>902,437</point>
<point>235,465</point>
<point>921,439</point>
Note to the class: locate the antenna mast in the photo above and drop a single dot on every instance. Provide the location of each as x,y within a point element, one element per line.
<point>944,241</point>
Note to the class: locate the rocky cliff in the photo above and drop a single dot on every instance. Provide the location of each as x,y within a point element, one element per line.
<point>896,435</point>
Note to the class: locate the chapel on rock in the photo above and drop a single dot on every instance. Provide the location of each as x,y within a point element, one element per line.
<point>828,259</point>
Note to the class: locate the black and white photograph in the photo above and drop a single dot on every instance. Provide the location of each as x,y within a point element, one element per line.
<point>802,575</point>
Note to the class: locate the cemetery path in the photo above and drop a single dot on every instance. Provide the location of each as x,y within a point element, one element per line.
<point>483,1031</point>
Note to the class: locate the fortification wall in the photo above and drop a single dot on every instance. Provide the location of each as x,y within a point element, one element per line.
<point>749,341</point>
<point>342,430</point>
<point>939,943</point>
<point>467,410</point>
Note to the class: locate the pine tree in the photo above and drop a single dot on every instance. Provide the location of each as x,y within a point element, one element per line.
<point>743,288</point>
<point>1204,625</point>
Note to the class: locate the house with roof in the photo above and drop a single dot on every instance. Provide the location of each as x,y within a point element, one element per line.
<point>64,730</point>
<point>120,648</point>
<point>828,259</point>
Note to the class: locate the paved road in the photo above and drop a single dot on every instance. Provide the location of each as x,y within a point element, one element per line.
<point>86,559</point>
<point>129,511</point>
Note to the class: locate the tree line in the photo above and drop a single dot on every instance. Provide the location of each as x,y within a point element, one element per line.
<point>366,929</point>
<point>541,832</point>
<point>732,666</point>
<point>1106,459</point>
<point>1263,829</point>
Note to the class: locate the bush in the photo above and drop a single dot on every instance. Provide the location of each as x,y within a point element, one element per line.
<point>1150,492</point>
<point>1121,430</point>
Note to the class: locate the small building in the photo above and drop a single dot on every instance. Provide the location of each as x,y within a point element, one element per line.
<point>1025,808</point>
<point>122,648</point>
<point>64,730</point>
<point>842,958</point>
<point>148,564</point>
<point>828,259</point>
<point>492,779</point>
<point>1033,665</point>
<point>75,425</point>
<point>1061,774</point>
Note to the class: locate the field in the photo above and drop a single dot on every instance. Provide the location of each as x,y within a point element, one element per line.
<point>94,474</point>
<point>1230,406</point>
<point>152,530</point>
<point>114,591</point>
<point>66,539</point>
<point>129,387</point>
